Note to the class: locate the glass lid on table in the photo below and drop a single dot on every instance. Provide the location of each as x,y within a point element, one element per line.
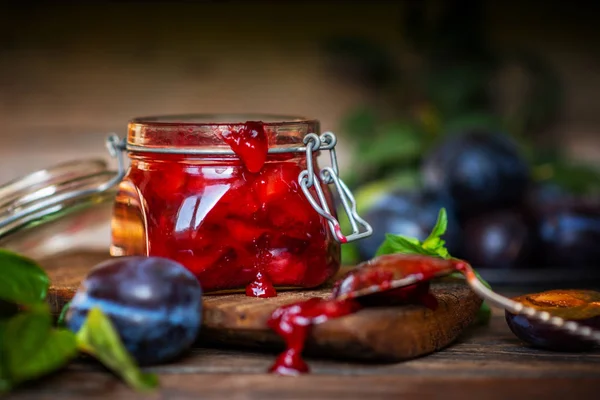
<point>65,208</point>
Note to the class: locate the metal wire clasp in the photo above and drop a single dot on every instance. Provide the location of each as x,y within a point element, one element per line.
<point>328,175</point>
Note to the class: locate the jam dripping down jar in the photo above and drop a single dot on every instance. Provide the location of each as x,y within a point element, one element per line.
<point>239,200</point>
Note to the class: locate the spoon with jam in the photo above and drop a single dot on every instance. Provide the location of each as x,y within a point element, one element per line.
<point>402,272</point>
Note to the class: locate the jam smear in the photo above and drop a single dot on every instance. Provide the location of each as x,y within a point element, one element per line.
<point>250,143</point>
<point>293,323</point>
<point>339,234</point>
<point>380,272</point>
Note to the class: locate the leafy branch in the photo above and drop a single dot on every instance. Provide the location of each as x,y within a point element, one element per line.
<point>30,347</point>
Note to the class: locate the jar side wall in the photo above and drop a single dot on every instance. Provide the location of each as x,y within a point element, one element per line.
<point>129,222</point>
<point>226,225</point>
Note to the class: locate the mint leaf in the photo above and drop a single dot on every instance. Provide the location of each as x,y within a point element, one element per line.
<point>432,246</point>
<point>23,281</point>
<point>31,348</point>
<point>98,338</point>
<point>440,226</point>
<point>436,247</point>
<point>400,244</point>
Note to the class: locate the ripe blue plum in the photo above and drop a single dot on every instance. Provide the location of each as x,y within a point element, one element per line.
<point>581,306</point>
<point>569,234</point>
<point>499,239</point>
<point>154,303</point>
<point>479,170</point>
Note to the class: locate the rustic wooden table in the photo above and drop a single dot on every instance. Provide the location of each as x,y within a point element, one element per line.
<point>486,362</point>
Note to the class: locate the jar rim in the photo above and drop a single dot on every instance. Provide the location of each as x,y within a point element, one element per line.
<point>218,119</point>
<point>204,132</point>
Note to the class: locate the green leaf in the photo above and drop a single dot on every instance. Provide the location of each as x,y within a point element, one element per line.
<point>32,348</point>
<point>400,244</point>
<point>432,246</point>
<point>23,281</point>
<point>98,338</point>
<point>440,226</point>
<point>436,247</point>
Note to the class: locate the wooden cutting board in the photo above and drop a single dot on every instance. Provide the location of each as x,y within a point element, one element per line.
<point>380,334</point>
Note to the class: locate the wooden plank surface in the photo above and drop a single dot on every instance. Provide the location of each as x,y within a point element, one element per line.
<point>381,333</point>
<point>485,363</point>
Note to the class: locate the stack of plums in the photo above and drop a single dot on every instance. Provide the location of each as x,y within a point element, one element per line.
<point>498,217</point>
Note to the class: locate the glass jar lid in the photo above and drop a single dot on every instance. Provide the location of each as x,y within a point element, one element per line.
<point>51,209</point>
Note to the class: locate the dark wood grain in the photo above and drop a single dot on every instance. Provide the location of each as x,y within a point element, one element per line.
<point>382,334</point>
<point>66,271</point>
<point>484,363</point>
<point>262,387</point>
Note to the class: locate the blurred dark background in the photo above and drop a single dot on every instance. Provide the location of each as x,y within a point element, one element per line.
<point>70,71</point>
<point>392,79</point>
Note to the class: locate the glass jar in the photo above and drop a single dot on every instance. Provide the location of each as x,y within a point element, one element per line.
<point>197,191</point>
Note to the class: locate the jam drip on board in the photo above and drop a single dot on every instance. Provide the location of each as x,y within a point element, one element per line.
<point>370,284</point>
<point>293,323</point>
<point>235,222</point>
